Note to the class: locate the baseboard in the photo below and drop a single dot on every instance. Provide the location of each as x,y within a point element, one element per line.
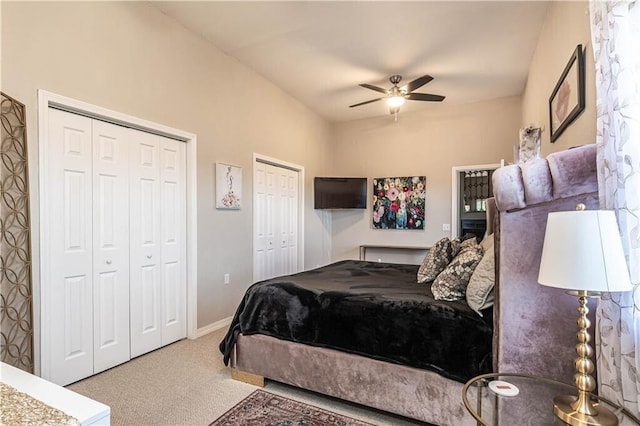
<point>213,327</point>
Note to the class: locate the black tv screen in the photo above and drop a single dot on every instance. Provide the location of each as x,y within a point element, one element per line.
<point>340,193</point>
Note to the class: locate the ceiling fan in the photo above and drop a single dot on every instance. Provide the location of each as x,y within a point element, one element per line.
<point>395,96</point>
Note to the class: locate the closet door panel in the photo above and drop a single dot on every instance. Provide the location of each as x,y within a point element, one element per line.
<point>145,243</point>
<point>69,283</point>
<point>271,224</point>
<point>260,223</point>
<point>282,261</point>
<point>292,231</point>
<point>110,245</point>
<point>173,240</point>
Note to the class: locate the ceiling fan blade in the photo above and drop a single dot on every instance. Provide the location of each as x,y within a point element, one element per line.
<point>418,82</point>
<point>365,102</point>
<point>376,88</point>
<point>425,97</point>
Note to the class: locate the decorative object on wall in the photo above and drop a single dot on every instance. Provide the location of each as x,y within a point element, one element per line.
<point>228,186</point>
<point>529,146</point>
<point>16,294</point>
<point>567,99</point>
<point>399,202</point>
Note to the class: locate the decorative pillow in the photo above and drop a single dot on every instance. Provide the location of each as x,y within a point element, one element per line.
<point>451,284</point>
<point>459,243</point>
<point>435,261</point>
<point>487,243</point>
<point>480,288</point>
<point>468,242</point>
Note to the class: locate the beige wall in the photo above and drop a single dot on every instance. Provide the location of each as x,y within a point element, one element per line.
<point>131,58</point>
<point>566,26</point>
<point>429,143</point>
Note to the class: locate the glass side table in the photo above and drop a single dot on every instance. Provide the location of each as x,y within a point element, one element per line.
<point>532,406</point>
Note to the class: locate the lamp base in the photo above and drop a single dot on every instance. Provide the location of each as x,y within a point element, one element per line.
<point>562,409</point>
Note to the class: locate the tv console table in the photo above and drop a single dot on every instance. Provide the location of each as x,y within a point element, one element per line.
<point>364,247</point>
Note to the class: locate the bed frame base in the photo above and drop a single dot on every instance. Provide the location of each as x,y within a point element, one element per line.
<point>410,392</point>
<point>246,377</point>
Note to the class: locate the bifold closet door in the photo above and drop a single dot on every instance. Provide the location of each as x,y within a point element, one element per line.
<point>157,241</point>
<point>288,218</point>
<point>275,221</point>
<point>110,245</point>
<point>88,281</point>
<point>264,222</point>
<point>173,238</point>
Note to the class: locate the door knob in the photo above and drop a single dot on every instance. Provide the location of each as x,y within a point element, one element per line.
<point>108,262</point>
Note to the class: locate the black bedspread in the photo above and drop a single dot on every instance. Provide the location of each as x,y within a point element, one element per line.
<point>372,309</point>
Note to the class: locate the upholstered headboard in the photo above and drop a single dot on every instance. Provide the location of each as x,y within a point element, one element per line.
<point>535,326</point>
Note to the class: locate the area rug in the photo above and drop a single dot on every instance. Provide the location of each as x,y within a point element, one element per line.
<point>266,409</point>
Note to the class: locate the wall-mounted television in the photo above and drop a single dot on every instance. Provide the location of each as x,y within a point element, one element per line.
<point>340,193</point>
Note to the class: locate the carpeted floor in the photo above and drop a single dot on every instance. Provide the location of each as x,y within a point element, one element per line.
<point>264,408</point>
<point>186,383</point>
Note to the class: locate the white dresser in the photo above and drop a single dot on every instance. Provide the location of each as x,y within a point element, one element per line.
<point>85,410</point>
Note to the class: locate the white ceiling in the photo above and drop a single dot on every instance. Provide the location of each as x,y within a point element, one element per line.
<point>319,51</point>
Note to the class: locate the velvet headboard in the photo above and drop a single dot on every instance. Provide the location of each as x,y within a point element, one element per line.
<point>536,325</point>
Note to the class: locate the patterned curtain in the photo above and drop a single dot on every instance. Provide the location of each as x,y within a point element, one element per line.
<point>615,33</point>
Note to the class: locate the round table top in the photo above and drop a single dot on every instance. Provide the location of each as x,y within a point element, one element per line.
<point>532,405</point>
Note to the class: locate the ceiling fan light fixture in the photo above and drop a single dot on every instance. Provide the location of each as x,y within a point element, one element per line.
<point>395,101</point>
<point>395,96</point>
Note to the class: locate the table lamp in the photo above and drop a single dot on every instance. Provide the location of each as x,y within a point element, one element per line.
<point>583,252</point>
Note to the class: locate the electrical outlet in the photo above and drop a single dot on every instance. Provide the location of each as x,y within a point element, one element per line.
<point>227,280</point>
<point>446,227</point>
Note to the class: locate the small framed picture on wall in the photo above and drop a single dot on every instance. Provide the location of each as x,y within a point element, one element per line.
<point>228,187</point>
<point>567,99</point>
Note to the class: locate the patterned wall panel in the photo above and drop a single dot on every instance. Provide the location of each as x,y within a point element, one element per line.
<point>16,296</point>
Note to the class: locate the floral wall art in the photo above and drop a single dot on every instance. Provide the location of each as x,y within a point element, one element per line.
<point>399,202</point>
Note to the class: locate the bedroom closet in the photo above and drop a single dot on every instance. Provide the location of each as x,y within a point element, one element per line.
<point>275,220</point>
<point>115,204</point>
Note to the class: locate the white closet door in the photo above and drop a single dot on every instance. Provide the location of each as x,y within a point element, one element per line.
<point>292,232</point>
<point>145,243</point>
<point>282,209</point>
<point>275,221</point>
<point>173,240</point>
<point>260,222</point>
<point>110,245</point>
<point>271,222</point>
<point>69,283</point>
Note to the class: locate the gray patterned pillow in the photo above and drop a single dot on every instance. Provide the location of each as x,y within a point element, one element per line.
<point>451,284</point>
<point>435,261</point>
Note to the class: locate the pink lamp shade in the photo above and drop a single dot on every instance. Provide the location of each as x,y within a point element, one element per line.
<point>583,251</point>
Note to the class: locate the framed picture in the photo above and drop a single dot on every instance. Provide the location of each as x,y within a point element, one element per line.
<point>399,202</point>
<point>567,99</point>
<point>228,186</point>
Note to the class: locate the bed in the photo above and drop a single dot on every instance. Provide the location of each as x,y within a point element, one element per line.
<point>373,309</point>
<point>368,333</point>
